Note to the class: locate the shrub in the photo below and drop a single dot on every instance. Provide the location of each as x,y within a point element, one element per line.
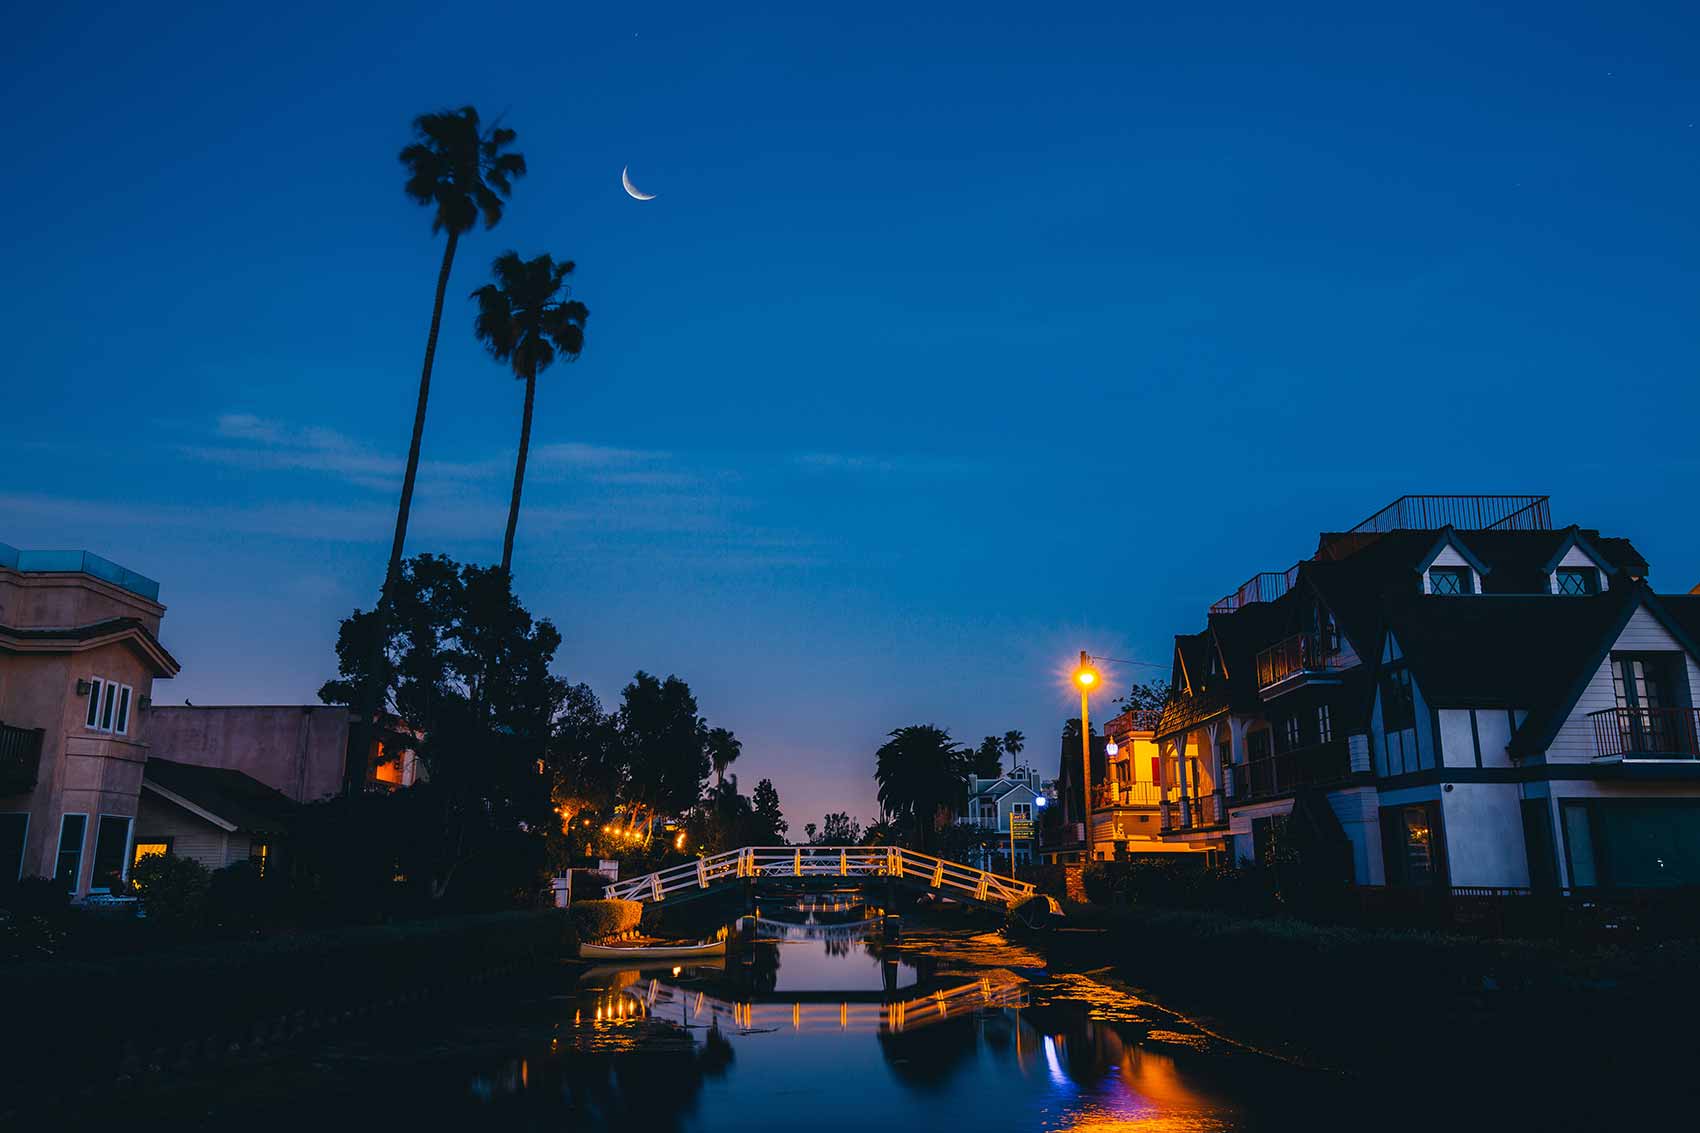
<point>36,897</point>
<point>597,920</point>
<point>173,890</point>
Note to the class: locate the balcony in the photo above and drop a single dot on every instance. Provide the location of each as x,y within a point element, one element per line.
<point>1287,664</point>
<point>20,755</point>
<point>1287,771</point>
<point>1631,734</point>
<point>1106,796</point>
<point>1202,812</point>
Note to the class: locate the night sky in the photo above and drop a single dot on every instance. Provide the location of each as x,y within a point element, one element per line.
<point>955,340</point>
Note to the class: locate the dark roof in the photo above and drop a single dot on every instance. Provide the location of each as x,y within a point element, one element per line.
<point>1684,610</point>
<point>1514,652</point>
<point>239,799</point>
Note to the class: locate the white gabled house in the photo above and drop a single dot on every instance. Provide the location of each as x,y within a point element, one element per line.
<point>994,803</point>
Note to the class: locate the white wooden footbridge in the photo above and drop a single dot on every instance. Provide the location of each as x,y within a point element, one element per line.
<point>758,863</point>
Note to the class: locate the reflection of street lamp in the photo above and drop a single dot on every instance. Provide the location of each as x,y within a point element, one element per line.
<point>1086,677</point>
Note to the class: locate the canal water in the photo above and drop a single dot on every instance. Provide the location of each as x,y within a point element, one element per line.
<point>814,1023</point>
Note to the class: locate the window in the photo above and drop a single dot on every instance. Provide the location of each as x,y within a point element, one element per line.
<point>1257,744</point>
<point>1576,582</point>
<point>260,854</point>
<point>149,847</point>
<point>111,852</point>
<point>1398,705</point>
<point>1324,725</point>
<point>14,834</point>
<point>109,706</point>
<point>68,868</point>
<point>1450,580</point>
<point>1293,732</point>
<point>1412,845</point>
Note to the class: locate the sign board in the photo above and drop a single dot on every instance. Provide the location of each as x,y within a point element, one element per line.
<point>609,868</point>
<point>1021,827</point>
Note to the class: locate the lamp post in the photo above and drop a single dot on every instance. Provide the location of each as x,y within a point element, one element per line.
<point>1085,677</point>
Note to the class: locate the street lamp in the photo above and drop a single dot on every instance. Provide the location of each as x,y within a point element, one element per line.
<point>1086,677</point>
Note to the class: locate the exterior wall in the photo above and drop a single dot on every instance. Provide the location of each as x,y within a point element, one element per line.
<point>298,750</point>
<point>29,600</point>
<point>191,835</point>
<point>1359,812</point>
<point>1483,827</point>
<point>1574,742</point>
<point>1475,737</point>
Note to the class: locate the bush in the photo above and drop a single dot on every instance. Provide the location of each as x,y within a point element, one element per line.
<point>173,890</point>
<point>1180,885</point>
<point>597,920</point>
<point>36,897</point>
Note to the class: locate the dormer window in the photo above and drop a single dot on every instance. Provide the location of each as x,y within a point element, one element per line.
<point>1451,580</point>
<point>1576,582</point>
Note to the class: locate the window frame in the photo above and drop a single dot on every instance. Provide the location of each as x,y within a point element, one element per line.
<point>123,855</point>
<point>111,704</point>
<point>1293,732</point>
<point>1463,574</point>
<point>1589,590</point>
<point>91,718</point>
<point>59,849</point>
<point>1324,724</point>
<point>1400,675</point>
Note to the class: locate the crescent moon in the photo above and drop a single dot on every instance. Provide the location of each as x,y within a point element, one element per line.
<point>626,180</point>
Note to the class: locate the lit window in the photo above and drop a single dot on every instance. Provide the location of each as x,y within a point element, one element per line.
<point>150,848</point>
<point>1576,582</point>
<point>1324,725</point>
<point>1450,580</point>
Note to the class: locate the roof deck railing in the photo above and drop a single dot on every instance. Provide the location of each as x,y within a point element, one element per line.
<point>78,562</point>
<point>1466,513</point>
<point>1410,513</point>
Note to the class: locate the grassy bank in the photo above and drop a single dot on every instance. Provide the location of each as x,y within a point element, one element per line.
<point>1367,1000</point>
<point>84,1024</point>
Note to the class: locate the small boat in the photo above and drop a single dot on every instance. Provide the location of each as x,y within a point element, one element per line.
<point>642,952</point>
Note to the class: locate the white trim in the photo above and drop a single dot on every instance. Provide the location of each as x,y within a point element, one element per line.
<point>172,796</point>
<point>23,850</point>
<point>129,839</point>
<point>91,718</point>
<point>121,720</point>
<point>59,849</point>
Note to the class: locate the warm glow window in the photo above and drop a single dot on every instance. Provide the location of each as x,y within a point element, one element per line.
<point>150,848</point>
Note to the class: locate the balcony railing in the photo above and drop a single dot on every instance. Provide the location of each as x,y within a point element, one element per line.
<point>1287,771</point>
<point>1126,794</point>
<point>20,754</point>
<point>1647,733</point>
<point>1466,513</point>
<point>1265,586</point>
<point>1197,812</point>
<point>1300,653</point>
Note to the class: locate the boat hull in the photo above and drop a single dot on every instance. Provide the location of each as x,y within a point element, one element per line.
<point>640,953</point>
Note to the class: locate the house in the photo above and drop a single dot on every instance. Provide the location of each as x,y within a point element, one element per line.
<point>1063,831</point>
<point>94,774</point>
<point>997,806</point>
<point>79,654</point>
<point>1453,692</point>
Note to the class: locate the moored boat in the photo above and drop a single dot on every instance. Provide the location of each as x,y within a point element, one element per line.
<point>642,952</point>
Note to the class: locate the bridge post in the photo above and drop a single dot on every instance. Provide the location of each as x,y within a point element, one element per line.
<point>843,864</point>
<point>702,874</point>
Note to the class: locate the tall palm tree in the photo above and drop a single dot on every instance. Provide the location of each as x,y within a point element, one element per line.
<point>526,319</point>
<point>723,749</point>
<point>458,167</point>
<point>920,770</point>
<point>1013,743</point>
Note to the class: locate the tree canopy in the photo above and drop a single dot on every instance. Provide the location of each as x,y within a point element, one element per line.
<point>921,774</point>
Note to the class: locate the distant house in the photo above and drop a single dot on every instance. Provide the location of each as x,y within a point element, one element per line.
<point>995,803</point>
<point>211,815</point>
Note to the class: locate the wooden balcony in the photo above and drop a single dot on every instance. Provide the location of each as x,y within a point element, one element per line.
<point>1633,734</point>
<point>1286,664</point>
<point>1108,796</point>
<point>20,755</point>
<point>1199,812</point>
<point>1287,771</point>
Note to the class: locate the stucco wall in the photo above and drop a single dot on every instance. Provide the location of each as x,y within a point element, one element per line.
<point>297,749</point>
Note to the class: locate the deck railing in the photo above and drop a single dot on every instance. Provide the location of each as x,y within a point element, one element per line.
<point>20,755</point>
<point>1194,812</point>
<point>1126,794</point>
<point>1647,733</point>
<point>1287,771</point>
<point>756,862</point>
<point>1300,653</point>
<point>1466,513</point>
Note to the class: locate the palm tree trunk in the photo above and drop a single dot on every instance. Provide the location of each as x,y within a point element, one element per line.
<point>519,470</point>
<point>406,506</point>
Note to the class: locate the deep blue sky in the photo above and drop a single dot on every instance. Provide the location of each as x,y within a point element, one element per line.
<point>954,342</point>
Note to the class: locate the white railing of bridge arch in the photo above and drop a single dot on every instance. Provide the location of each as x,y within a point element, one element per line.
<point>949,878</point>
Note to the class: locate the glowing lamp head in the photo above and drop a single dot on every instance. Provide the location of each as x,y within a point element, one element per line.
<point>1041,802</point>
<point>1086,678</point>
<point>1111,748</point>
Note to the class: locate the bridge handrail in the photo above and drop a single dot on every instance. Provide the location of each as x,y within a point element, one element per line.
<point>821,861</point>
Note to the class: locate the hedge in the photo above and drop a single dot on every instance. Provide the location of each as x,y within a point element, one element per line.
<point>598,920</point>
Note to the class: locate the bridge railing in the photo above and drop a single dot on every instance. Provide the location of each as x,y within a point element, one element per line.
<point>823,861</point>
